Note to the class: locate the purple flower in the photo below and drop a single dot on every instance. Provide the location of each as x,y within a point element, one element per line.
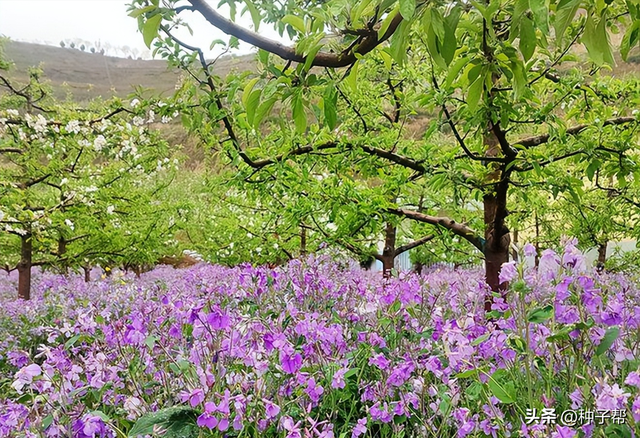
<point>549,265</point>
<point>90,426</point>
<point>529,250</point>
<point>564,432</point>
<point>272,410</point>
<point>218,320</point>
<point>577,399</point>
<point>206,419</point>
<point>380,361</point>
<point>360,428</point>
<point>291,363</point>
<point>313,390</point>
<point>508,272</point>
<point>25,376</point>
<point>337,382</point>
<point>612,397</point>
<point>633,379</point>
<point>635,409</point>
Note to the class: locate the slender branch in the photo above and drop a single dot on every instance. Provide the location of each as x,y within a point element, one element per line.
<point>456,228</point>
<point>414,244</point>
<point>574,130</point>
<point>11,150</point>
<point>322,59</point>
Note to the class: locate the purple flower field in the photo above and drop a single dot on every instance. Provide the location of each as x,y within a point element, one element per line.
<point>322,349</point>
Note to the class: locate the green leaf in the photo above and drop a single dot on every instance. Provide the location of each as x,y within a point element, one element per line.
<point>177,422</point>
<point>450,44</point>
<point>528,40</point>
<point>565,13</point>
<point>351,372</point>
<point>72,341</point>
<point>46,421</point>
<point>255,14</point>
<point>352,79</point>
<point>474,93</point>
<point>630,39</point>
<point>263,109</point>
<point>609,338</point>
<point>519,79</point>
<point>296,22</point>
<point>299,116</point>
<point>151,29</point>
<point>454,70</point>
<point>501,389</point>
<point>407,8</point>
<point>540,314</point>
<point>465,374</point>
<point>150,341</point>
<point>387,22</point>
<point>246,93</point>
<point>596,40</point>
<point>398,43</point>
<point>329,101</point>
<point>137,12</point>
<point>252,105</point>
<point>540,15</point>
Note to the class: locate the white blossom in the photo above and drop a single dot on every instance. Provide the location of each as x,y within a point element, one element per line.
<point>99,142</point>
<point>110,209</point>
<point>134,103</point>
<point>69,223</point>
<point>73,126</point>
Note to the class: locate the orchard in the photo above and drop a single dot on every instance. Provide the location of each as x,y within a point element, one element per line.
<point>489,144</point>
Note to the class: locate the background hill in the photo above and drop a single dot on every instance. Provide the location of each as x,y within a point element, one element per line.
<point>88,75</point>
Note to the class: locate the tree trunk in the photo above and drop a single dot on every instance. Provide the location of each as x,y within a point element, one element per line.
<point>303,240</point>
<point>24,267</point>
<point>537,257</point>
<point>389,251</point>
<point>496,250</point>
<point>497,239</point>
<point>62,249</point>
<point>602,253</point>
<point>87,273</point>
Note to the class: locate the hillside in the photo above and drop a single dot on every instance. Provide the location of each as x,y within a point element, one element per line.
<point>88,75</point>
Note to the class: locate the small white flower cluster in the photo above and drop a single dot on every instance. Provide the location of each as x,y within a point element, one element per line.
<point>99,143</point>
<point>37,123</point>
<point>73,127</point>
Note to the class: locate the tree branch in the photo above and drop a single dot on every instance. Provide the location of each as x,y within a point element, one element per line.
<point>575,130</point>
<point>414,244</point>
<point>456,228</point>
<point>322,59</point>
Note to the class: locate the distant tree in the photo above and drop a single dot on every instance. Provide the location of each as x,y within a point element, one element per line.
<point>76,185</point>
<point>62,44</point>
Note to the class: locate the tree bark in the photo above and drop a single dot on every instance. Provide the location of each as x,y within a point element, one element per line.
<point>537,256</point>
<point>303,240</point>
<point>24,267</point>
<point>497,239</point>
<point>87,273</point>
<point>602,253</point>
<point>389,251</point>
<point>62,249</point>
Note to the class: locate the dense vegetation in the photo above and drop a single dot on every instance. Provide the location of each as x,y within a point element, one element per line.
<point>320,348</point>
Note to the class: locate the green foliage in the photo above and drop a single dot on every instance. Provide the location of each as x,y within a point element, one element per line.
<point>176,422</point>
<point>459,96</point>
